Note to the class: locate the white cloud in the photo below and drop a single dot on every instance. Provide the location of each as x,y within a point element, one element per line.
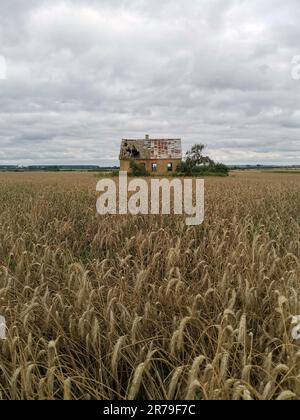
<point>83,73</point>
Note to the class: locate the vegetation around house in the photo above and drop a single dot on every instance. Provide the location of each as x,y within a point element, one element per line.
<point>138,169</point>
<point>197,164</point>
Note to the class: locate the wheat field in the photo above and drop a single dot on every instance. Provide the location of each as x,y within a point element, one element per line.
<point>123,307</point>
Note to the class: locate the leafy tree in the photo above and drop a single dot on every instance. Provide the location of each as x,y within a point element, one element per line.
<point>197,163</point>
<point>195,157</point>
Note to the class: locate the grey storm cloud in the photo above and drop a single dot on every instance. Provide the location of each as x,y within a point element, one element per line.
<point>83,74</point>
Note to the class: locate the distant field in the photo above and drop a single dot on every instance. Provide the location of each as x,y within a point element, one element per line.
<point>286,171</point>
<point>123,307</point>
<point>268,170</point>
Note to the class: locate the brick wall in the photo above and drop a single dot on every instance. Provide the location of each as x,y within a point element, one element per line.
<point>161,165</point>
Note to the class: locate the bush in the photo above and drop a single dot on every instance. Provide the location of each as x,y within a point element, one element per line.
<point>221,168</point>
<point>214,169</point>
<point>137,169</point>
<point>196,164</point>
<point>184,168</point>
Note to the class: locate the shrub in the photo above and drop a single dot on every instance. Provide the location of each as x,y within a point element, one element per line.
<point>214,169</point>
<point>221,168</point>
<point>196,164</point>
<point>184,168</point>
<point>137,169</point>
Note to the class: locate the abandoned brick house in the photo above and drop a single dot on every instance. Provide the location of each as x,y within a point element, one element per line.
<point>160,156</point>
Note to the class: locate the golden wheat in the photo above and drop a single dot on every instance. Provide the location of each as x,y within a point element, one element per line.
<point>122,307</point>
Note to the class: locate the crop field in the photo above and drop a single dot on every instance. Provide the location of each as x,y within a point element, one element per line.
<point>145,307</point>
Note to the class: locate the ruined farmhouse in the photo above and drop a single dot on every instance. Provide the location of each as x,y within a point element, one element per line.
<point>161,156</point>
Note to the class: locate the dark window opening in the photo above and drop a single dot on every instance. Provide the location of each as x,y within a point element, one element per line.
<point>170,167</point>
<point>154,167</point>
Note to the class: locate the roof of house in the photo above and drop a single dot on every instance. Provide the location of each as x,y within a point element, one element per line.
<point>155,149</point>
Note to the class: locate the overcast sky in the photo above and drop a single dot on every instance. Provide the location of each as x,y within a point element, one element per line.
<point>82,74</point>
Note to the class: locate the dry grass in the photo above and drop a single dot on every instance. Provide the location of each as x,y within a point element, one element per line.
<point>123,307</point>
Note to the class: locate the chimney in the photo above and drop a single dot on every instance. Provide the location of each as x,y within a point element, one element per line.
<point>147,136</point>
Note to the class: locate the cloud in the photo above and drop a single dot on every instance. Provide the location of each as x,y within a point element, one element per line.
<point>83,74</point>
